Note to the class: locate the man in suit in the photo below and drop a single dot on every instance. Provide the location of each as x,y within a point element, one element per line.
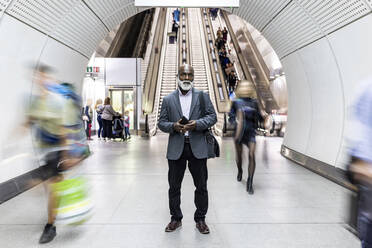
<point>187,143</point>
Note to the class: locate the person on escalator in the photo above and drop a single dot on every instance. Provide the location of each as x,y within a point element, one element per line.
<point>232,79</point>
<point>219,33</point>
<point>224,34</point>
<point>245,115</point>
<point>175,29</point>
<point>176,15</point>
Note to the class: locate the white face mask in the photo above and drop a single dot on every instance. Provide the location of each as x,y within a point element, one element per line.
<point>185,85</point>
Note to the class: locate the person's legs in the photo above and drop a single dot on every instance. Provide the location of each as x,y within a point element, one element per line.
<point>251,166</point>
<point>100,127</point>
<point>127,134</point>
<point>109,130</point>
<point>104,129</point>
<point>87,129</point>
<point>90,130</point>
<point>199,172</point>
<point>238,159</point>
<point>175,176</point>
<point>49,231</point>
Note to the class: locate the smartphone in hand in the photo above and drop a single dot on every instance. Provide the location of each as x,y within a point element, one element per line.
<point>184,120</point>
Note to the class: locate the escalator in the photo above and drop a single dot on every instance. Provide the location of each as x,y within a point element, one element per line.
<point>252,66</point>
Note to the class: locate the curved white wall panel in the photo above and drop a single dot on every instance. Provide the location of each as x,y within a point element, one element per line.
<point>299,104</point>
<point>17,58</point>
<point>327,116</point>
<point>352,47</point>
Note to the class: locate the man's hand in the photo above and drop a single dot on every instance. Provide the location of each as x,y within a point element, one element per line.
<point>189,126</point>
<point>178,127</point>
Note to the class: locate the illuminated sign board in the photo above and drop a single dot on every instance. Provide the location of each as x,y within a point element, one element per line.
<point>187,3</point>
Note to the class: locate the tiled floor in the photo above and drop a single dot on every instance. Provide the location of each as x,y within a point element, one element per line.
<point>291,207</point>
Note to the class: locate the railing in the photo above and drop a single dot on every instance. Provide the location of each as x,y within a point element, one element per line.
<point>260,81</point>
<point>219,85</point>
<point>150,84</point>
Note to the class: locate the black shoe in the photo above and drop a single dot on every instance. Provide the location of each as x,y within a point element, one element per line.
<point>202,227</point>
<point>250,186</point>
<point>173,225</point>
<point>48,234</point>
<point>240,175</point>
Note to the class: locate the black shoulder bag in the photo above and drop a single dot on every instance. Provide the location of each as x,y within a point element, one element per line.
<point>212,143</point>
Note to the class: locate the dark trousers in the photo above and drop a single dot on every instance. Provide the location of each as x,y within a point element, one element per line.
<point>199,172</point>
<point>107,128</point>
<point>100,128</point>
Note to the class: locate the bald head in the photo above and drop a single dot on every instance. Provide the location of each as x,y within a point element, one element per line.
<point>185,77</point>
<point>186,72</point>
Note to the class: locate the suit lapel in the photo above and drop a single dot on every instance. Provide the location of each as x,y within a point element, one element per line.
<point>177,102</point>
<point>195,97</point>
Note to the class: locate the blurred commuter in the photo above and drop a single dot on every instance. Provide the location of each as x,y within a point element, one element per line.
<point>176,15</point>
<point>361,165</point>
<point>126,125</point>
<point>107,117</point>
<point>245,115</point>
<point>87,117</point>
<point>55,114</point>
<point>224,34</point>
<point>99,110</point>
<point>184,118</point>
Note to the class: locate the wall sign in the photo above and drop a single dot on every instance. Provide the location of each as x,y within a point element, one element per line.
<point>92,69</point>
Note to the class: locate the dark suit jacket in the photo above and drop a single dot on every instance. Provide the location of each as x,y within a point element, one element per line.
<point>171,112</point>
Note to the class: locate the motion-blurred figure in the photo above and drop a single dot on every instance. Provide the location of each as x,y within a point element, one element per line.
<point>245,114</point>
<point>55,115</point>
<point>361,165</point>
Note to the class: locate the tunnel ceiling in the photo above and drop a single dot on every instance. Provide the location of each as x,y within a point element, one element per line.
<point>287,24</point>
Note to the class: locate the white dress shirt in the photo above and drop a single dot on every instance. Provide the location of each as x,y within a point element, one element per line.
<point>185,101</point>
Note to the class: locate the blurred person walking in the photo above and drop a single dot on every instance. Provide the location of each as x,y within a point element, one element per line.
<point>107,117</point>
<point>181,116</point>
<point>54,115</point>
<point>361,164</point>
<point>99,110</point>
<point>245,115</point>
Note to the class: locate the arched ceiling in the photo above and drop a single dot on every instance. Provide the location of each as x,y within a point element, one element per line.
<point>287,24</point>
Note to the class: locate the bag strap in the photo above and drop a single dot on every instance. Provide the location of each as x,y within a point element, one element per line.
<point>202,103</point>
<point>202,107</point>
